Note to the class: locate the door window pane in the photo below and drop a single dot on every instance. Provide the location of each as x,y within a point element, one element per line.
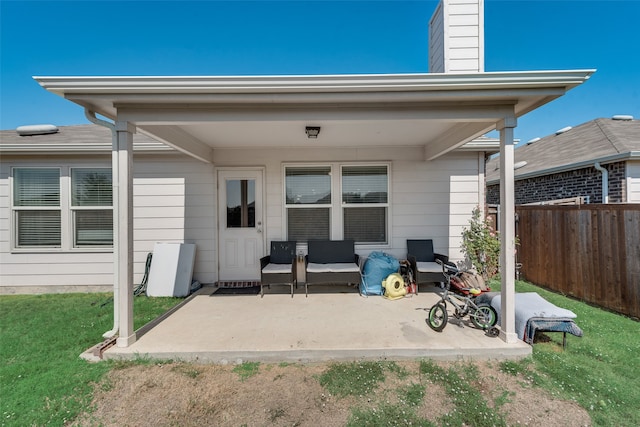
<point>241,203</point>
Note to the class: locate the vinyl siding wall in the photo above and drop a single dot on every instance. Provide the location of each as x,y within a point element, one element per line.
<point>456,34</point>
<point>420,196</point>
<point>175,201</point>
<point>57,270</point>
<point>436,41</point>
<point>172,195</point>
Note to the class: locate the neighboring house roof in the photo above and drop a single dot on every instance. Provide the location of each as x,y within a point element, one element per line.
<point>79,139</point>
<point>600,140</point>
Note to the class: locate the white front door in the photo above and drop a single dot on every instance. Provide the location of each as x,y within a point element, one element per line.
<point>240,224</point>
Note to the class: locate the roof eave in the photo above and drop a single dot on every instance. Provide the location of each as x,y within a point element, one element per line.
<point>65,85</point>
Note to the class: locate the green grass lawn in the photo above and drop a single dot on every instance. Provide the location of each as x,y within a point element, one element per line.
<point>42,379</point>
<point>600,370</point>
<point>44,382</point>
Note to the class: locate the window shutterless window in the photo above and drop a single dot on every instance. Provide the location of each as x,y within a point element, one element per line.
<point>62,208</point>
<point>308,202</point>
<point>91,207</point>
<point>36,203</point>
<point>365,205</point>
<point>361,209</point>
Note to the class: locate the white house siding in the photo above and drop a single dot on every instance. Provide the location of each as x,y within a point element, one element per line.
<point>633,182</point>
<point>174,199</point>
<point>456,33</point>
<point>57,271</point>
<point>421,192</point>
<point>436,41</point>
<point>435,200</point>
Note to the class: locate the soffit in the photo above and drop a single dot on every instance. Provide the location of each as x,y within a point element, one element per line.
<point>199,114</point>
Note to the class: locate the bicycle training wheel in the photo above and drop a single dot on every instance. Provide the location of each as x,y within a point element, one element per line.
<point>484,317</point>
<point>438,317</point>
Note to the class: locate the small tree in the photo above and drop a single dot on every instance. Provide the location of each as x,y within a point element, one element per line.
<point>481,244</point>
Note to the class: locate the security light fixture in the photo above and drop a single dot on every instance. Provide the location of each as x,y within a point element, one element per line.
<point>312,131</point>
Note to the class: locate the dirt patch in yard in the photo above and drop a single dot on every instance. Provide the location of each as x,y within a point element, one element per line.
<point>178,394</point>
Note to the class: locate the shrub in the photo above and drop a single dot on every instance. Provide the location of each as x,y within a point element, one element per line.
<point>481,244</point>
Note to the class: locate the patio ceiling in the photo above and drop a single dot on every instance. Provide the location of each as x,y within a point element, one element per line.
<point>198,115</point>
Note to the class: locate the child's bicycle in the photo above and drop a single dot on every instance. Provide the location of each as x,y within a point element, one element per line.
<point>483,316</point>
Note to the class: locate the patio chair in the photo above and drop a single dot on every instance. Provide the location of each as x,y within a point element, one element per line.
<point>331,262</point>
<point>423,263</point>
<point>279,267</point>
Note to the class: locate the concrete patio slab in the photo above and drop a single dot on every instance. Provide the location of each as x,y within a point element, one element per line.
<point>329,325</point>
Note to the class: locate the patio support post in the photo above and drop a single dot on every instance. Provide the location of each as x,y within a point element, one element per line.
<point>123,241</point>
<point>507,230</point>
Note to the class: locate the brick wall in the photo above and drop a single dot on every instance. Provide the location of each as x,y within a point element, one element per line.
<point>585,182</point>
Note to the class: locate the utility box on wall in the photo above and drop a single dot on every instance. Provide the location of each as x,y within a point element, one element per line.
<point>171,270</point>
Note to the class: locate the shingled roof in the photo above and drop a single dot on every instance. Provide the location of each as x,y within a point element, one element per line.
<point>78,139</point>
<point>600,140</point>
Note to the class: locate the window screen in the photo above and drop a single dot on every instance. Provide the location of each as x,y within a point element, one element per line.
<point>36,187</point>
<point>364,201</point>
<point>308,186</point>
<point>308,199</point>
<point>36,201</point>
<point>91,187</point>
<point>92,207</point>
<point>308,223</point>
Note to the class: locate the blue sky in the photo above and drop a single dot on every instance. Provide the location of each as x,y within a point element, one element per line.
<point>73,38</point>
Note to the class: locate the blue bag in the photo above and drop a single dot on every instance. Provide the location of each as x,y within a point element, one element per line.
<point>377,268</point>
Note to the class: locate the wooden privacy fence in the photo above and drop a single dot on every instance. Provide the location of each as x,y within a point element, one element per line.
<point>591,252</point>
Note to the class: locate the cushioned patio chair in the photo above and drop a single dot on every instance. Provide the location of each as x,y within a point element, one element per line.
<point>279,267</point>
<point>331,262</point>
<point>423,263</point>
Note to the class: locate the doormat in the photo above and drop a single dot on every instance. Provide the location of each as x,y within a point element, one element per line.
<point>253,290</point>
<point>237,284</point>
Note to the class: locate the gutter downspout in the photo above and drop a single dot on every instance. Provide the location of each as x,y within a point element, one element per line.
<point>605,182</point>
<point>91,116</point>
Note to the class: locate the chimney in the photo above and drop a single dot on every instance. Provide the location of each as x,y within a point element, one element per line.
<point>456,37</point>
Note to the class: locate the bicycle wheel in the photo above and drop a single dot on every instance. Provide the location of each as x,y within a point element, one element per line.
<point>438,317</point>
<point>484,317</point>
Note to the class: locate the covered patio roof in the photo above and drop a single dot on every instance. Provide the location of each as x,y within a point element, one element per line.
<point>198,115</point>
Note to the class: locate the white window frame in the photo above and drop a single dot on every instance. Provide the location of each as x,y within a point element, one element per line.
<point>330,206</point>
<point>67,211</point>
<point>336,226</point>
<point>73,209</point>
<point>15,210</point>
<point>386,205</point>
